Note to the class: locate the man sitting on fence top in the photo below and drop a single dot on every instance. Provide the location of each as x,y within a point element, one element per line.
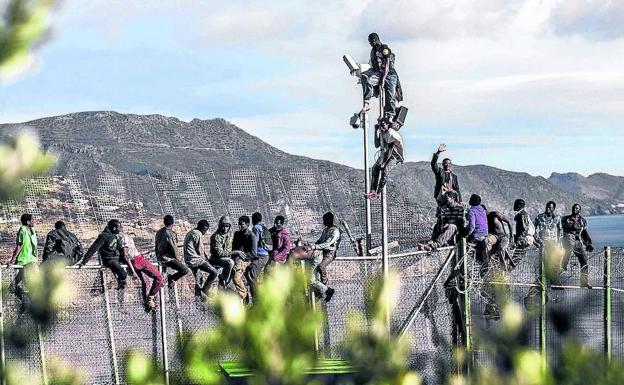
<point>256,267</point>
<point>167,252</point>
<point>108,246</point>
<point>62,244</point>
<point>576,241</point>
<point>477,227</point>
<point>451,222</point>
<point>446,180</point>
<point>325,253</point>
<point>196,258</point>
<point>280,239</point>
<point>525,230</point>
<point>221,249</point>
<point>244,250</point>
<point>25,254</point>
<point>140,267</point>
<point>498,241</point>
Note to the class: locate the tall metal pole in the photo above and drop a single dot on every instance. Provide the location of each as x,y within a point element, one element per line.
<point>42,356</point>
<point>542,287</point>
<point>369,219</point>
<point>607,307</point>
<point>163,330</point>
<point>111,335</point>
<point>384,243</point>
<point>2,356</point>
<point>467,307</point>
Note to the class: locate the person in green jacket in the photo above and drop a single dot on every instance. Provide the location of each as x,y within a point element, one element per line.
<point>25,253</point>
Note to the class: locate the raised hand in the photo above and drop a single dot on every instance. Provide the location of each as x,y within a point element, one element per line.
<point>442,147</point>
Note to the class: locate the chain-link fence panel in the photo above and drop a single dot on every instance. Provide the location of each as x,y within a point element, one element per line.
<point>24,348</point>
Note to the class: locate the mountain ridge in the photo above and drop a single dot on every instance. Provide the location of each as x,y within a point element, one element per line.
<point>89,142</point>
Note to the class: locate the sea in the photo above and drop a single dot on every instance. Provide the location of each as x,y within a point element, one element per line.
<point>606,230</point>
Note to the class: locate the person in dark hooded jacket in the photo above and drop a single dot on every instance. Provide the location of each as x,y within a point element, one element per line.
<point>62,244</point>
<point>108,246</point>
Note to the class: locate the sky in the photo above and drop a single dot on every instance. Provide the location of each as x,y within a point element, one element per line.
<point>533,86</point>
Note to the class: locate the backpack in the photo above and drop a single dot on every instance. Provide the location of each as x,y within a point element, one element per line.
<point>264,239</point>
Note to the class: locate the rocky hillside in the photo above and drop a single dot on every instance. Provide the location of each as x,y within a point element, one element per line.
<point>599,186</point>
<point>90,143</point>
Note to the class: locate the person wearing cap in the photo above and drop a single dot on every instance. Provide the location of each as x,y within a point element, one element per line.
<point>382,73</point>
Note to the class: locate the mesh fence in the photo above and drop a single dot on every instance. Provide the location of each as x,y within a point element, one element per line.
<point>572,312</point>
<point>86,202</point>
<point>100,325</point>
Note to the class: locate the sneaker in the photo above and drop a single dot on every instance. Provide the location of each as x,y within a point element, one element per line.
<point>151,302</point>
<point>372,195</point>
<point>424,247</point>
<point>365,107</point>
<point>329,294</point>
<point>491,312</point>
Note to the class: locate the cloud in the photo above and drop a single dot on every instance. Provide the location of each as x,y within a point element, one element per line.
<point>593,19</point>
<point>406,20</point>
<point>490,73</point>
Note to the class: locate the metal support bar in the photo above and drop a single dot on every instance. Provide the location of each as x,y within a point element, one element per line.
<point>607,307</point>
<point>310,295</point>
<point>418,308</point>
<point>369,220</point>
<point>384,244</point>
<point>467,310</point>
<point>110,329</point>
<point>2,354</point>
<point>42,356</point>
<point>542,288</point>
<point>163,330</point>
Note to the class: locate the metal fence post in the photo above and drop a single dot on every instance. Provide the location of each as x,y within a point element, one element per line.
<point>44,369</point>
<point>310,294</point>
<point>110,328</point>
<point>163,330</point>
<point>2,356</point>
<point>467,310</point>
<point>607,299</point>
<point>542,286</point>
<point>384,248</point>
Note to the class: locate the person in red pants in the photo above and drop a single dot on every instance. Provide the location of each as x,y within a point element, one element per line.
<point>141,267</point>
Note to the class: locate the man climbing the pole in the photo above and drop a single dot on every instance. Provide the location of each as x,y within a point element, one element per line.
<point>382,74</point>
<point>390,155</point>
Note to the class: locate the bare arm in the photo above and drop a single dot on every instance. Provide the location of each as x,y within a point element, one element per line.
<point>124,255</point>
<point>17,250</point>
<point>435,167</point>
<point>503,218</point>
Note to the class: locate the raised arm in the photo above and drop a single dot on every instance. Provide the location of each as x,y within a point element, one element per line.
<point>435,167</point>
